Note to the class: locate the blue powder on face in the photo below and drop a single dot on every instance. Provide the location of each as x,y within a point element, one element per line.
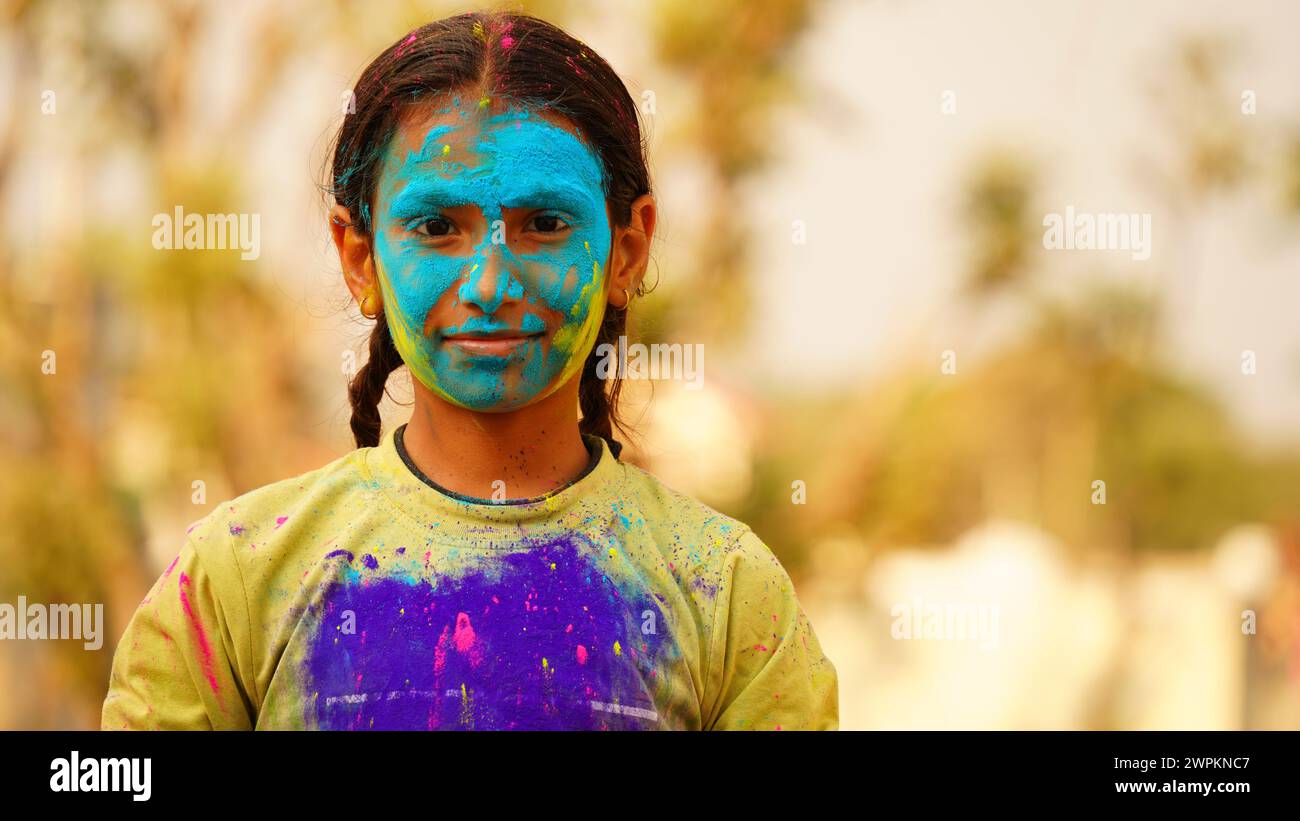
<point>517,645</point>
<point>514,159</point>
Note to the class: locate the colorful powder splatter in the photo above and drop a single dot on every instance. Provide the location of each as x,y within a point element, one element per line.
<point>511,646</point>
<point>201,635</point>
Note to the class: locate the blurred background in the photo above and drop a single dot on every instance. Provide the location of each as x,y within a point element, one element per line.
<point>1092,460</point>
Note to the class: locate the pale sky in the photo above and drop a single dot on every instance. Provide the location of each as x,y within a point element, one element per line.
<point>1062,82</point>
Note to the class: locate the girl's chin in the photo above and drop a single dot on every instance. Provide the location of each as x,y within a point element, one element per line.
<point>483,399</point>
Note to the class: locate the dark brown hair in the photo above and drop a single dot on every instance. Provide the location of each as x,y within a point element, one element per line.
<point>528,61</point>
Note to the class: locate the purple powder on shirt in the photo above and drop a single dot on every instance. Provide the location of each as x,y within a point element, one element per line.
<point>536,639</point>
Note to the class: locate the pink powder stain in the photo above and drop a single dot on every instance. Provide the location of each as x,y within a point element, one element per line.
<point>582,654</point>
<point>205,648</point>
<point>464,635</point>
<point>440,654</point>
<point>279,520</point>
<point>466,641</point>
<point>236,530</point>
<point>405,44</point>
<point>507,42</point>
<point>760,647</point>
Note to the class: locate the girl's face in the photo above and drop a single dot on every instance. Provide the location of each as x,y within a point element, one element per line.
<point>491,239</point>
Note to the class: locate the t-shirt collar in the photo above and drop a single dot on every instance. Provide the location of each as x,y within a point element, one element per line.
<point>437,507</point>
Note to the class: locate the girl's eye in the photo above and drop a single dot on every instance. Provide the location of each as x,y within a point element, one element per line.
<point>435,227</point>
<point>549,223</point>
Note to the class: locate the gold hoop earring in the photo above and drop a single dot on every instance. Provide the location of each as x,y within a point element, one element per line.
<point>365,306</point>
<point>627,300</point>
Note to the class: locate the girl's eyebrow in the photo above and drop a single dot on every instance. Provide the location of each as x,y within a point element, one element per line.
<point>559,194</point>
<point>422,194</point>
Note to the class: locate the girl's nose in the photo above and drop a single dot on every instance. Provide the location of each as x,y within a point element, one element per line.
<point>491,279</point>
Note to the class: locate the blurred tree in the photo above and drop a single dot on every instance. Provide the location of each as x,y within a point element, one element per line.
<point>997,215</point>
<point>736,56</point>
<point>1084,394</point>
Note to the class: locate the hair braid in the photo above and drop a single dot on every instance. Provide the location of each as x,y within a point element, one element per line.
<point>367,388</point>
<point>600,407</point>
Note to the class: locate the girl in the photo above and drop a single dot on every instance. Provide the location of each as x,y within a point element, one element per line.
<point>491,564</point>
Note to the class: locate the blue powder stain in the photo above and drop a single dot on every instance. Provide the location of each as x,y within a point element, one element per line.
<point>522,161</point>
<point>418,644</point>
<point>370,561</point>
<point>346,553</point>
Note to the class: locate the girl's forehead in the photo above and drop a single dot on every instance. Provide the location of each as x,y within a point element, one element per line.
<point>464,118</point>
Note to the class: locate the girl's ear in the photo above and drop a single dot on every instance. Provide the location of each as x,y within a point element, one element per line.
<point>356,259</point>
<point>630,253</point>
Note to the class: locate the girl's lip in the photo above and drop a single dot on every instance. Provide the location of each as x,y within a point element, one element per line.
<point>503,333</point>
<point>496,344</point>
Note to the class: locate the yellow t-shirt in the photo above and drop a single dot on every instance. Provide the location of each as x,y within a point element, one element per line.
<point>360,596</point>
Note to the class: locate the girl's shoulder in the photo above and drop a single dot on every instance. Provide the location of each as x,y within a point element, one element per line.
<point>259,512</point>
<point>694,530</point>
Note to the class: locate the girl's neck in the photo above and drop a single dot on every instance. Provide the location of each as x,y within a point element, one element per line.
<point>533,450</point>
